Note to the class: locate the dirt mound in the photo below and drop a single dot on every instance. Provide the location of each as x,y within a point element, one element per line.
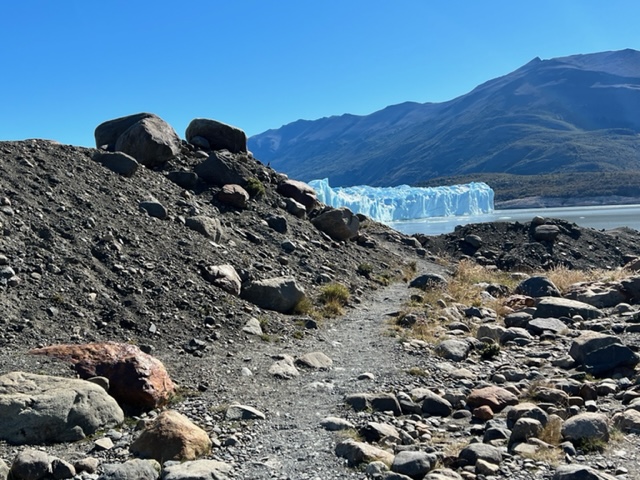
<point>85,259</point>
<point>539,244</point>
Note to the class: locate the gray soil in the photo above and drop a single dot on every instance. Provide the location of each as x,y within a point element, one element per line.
<point>94,267</point>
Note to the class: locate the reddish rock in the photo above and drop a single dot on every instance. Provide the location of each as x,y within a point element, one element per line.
<point>497,398</point>
<point>136,379</point>
<point>234,195</point>
<point>483,413</point>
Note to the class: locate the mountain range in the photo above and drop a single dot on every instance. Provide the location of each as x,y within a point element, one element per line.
<point>562,116</point>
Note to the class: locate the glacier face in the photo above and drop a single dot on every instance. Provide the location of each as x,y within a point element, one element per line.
<point>388,204</point>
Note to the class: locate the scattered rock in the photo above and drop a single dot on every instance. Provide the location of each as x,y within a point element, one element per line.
<point>234,195</point>
<point>224,276</point>
<point>281,294</point>
<point>38,409</point>
<point>136,378</point>
<point>171,436</point>
<point>117,162</point>
<point>338,223</point>
<point>218,135</point>
<point>243,412</point>
<point>315,360</point>
<point>495,397</point>
<point>151,141</point>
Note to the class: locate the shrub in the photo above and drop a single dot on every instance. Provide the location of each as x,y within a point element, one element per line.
<point>365,269</point>
<point>335,292</point>
<point>255,188</point>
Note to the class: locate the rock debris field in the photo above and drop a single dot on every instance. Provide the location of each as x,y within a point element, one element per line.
<point>174,309</point>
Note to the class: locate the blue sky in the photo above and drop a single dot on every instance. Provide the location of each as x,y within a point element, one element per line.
<point>68,65</point>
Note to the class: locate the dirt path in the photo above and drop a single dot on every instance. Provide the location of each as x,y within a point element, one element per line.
<point>290,443</point>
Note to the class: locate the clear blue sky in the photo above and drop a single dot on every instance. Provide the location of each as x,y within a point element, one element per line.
<point>68,65</point>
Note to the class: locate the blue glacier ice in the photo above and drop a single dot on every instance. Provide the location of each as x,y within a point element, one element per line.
<point>388,204</point>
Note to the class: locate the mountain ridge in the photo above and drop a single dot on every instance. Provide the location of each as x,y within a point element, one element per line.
<point>579,113</point>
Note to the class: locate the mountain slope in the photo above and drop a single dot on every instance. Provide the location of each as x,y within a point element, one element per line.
<point>572,114</point>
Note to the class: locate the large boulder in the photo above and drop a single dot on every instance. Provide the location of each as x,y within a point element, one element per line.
<point>172,436</point>
<point>222,168</point>
<point>580,472</point>
<point>107,133</point>
<point>136,379</point>
<point>220,136</point>
<point>586,426</point>
<point>552,307</point>
<point>151,141</point>
<point>300,192</point>
<point>281,294</point>
<point>338,223</point>
<point>37,409</point>
<point>600,353</point>
<point>537,287</point>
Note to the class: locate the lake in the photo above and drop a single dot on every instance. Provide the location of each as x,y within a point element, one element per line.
<point>598,217</point>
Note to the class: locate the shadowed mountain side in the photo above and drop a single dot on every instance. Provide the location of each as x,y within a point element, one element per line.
<point>573,114</point>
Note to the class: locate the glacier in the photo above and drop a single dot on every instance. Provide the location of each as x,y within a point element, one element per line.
<point>389,204</point>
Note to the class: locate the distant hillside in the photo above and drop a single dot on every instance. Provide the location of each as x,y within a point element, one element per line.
<point>565,115</point>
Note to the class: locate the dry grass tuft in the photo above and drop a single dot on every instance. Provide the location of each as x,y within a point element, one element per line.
<point>563,277</point>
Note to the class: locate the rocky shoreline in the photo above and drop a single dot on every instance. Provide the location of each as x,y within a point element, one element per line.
<point>174,312</point>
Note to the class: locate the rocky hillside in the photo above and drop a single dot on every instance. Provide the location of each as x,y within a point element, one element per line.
<point>176,309</point>
<point>563,115</point>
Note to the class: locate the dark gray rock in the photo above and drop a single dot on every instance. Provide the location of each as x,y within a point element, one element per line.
<point>599,352</point>
<point>281,294</point>
<point>135,469</point>
<point>107,133</point>
<point>537,287</point>
<point>300,192</point>
<point>338,223</point>
<point>552,307</point>
<point>546,233</point>
<point>580,472</point>
<point>472,453</point>
<point>538,326</point>
<point>117,162</point>
<point>413,464</point>
<point>222,168</point>
<point>631,287</point>
<point>151,141</point>
<point>220,136</point>
<point>278,223</point>
<point>154,208</point>
<point>586,426</point>
<point>428,280</point>
<point>435,405</point>
<point>186,180</point>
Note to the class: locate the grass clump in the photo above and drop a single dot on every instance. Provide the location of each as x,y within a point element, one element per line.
<point>255,188</point>
<point>365,270</point>
<point>334,297</point>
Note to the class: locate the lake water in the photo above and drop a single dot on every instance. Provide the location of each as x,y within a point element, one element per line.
<point>599,217</point>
